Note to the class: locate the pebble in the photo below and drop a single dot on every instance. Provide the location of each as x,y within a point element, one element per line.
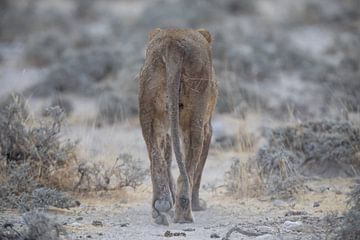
<point>293,226</point>
<point>174,234</point>
<point>189,229</point>
<point>323,189</point>
<point>97,223</point>
<point>214,235</point>
<point>279,203</point>
<point>316,204</point>
<point>76,224</point>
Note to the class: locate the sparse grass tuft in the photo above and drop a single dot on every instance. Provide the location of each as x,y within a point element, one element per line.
<point>243,179</point>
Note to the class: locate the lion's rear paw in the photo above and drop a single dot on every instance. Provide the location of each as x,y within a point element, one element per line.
<point>161,219</point>
<point>162,205</point>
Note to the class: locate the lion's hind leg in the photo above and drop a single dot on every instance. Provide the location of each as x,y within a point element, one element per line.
<point>198,204</point>
<point>154,132</point>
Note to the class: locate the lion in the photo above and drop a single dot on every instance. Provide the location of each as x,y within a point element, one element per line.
<point>177,97</point>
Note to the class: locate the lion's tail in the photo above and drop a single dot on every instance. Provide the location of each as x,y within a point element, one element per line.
<point>174,59</point>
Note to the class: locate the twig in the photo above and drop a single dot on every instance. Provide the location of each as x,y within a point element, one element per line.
<point>239,230</point>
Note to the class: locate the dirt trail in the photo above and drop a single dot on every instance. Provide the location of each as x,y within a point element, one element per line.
<point>127,215</point>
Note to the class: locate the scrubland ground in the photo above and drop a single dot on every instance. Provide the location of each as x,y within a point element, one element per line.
<point>285,153</point>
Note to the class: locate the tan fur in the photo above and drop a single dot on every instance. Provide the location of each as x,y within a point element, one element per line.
<point>177,96</point>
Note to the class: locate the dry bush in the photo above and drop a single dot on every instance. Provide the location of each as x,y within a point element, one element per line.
<point>325,149</point>
<point>126,172</point>
<point>346,226</point>
<point>45,48</point>
<point>40,197</point>
<point>114,108</point>
<point>321,149</point>
<point>243,179</point>
<point>78,72</point>
<point>350,226</point>
<point>32,155</point>
<point>93,177</point>
<point>129,171</point>
<point>37,227</point>
<point>279,173</point>
<point>41,227</point>
<point>44,197</point>
<point>38,146</point>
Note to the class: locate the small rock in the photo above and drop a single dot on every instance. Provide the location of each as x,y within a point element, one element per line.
<point>124,224</point>
<point>189,229</point>
<point>293,226</point>
<point>214,235</point>
<point>97,223</point>
<point>79,218</point>
<point>179,234</point>
<point>168,234</point>
<point>175,234</point>
<point>323,189</point>
<point>76,224</point>
<point>279,203</point>
<point>89,236</point>
<point>316,204</point>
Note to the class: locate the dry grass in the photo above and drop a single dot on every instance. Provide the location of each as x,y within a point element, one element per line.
<point>243,179</point>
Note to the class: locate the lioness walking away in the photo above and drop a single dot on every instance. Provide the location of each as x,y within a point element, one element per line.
<point>177,97</point>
